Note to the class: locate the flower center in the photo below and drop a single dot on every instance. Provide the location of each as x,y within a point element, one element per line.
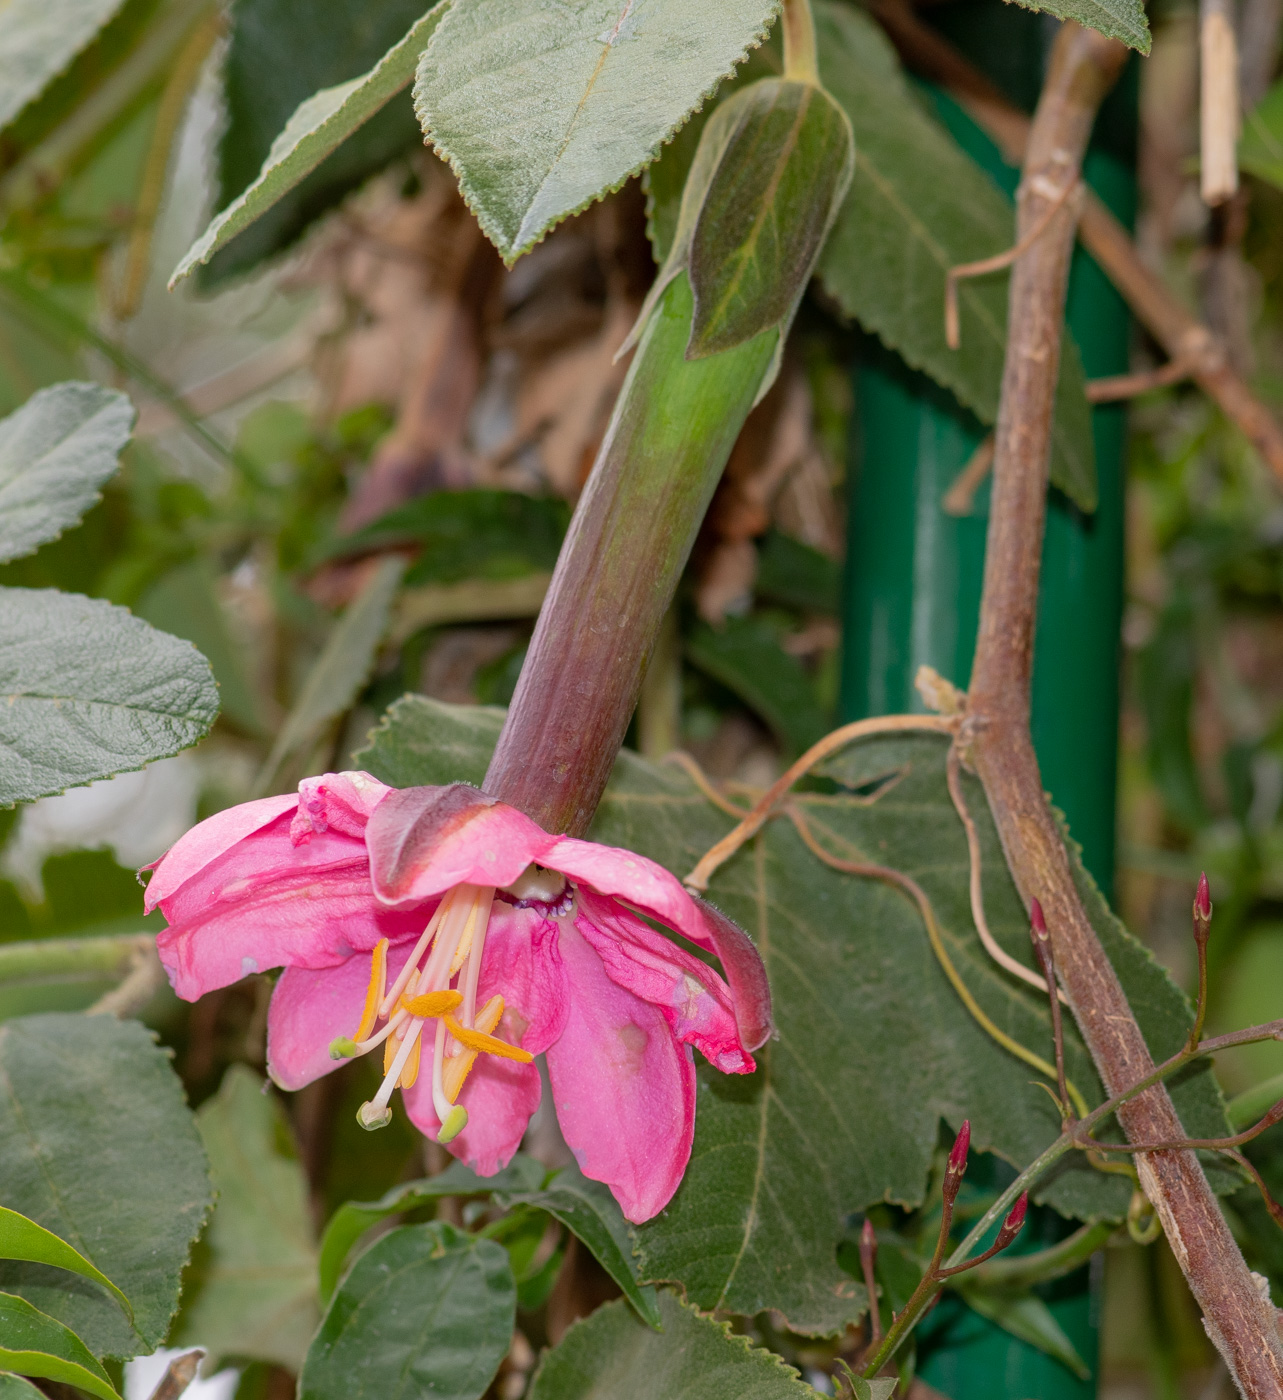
<point>439,979</point>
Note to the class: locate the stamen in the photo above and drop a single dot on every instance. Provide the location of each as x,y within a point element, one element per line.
<point>474,931</point>
<point>342,1048</point>
<point>375,1113</point>
<point>454,1118</point>
<point>432,1004</point>
<point>487,1044</point>
<point>412,962</point>
<point>411,1071</point>
<point>457,1066</point>
<point>374,992</point>
<point>476,948</point>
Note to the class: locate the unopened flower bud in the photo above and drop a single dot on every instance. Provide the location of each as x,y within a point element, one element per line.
<point>868,1244</point>
<point>1041,941</point>
<point>957,1162</point>
<point>1015,1220</point>
<point>1202,910</point>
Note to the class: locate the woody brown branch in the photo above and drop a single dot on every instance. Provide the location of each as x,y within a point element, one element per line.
<point>1181,334</point>
<point>1083,66</point>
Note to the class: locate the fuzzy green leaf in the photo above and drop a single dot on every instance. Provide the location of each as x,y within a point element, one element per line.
<point>874,1045</point>
<point>354,1218</point>
<point>426,1311</point>
<point>33,1344</point>
<point>588,1210</point>
<point>918,206</point>
<point>13,1387</point>
<point>612,1354</point>
<point>97,1145</point>
<point>1260,151</point>
<point>90,691</point>
<point>319,125</point>
<point>55,452</point>
<point>38,40</point>
<point>23,1239</point>
<point>541,107</point>
<point>1117,19</point>
<point>251,1291</point>
<point>783,172</point>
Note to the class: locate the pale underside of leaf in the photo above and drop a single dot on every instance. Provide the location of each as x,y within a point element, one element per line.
<point>541,108</point>
<point>38,40</point>
<point>319,125</point>
<point>1118,19</point>
<point>86,690</point>
<point>55,452</point>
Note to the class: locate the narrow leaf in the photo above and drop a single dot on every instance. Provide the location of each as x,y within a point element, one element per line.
<point>343,666</point>
<point>90,691</point>
<point>612,1354</point>
<point>55,452</point>
<point>918,206</point>
<point>588,1210</point>
<point>354,1218</point>
<point>251,1290</point>
<point>97,1145</point>
<point>38,40</point>
<point>33,1344</point>
<point>426,1311</point>
<point>21,1238</point>
<point>766,213</point>
<point>1026,1316</point>
<point>540,107</point>
<point>13,1387</point>
<point>318,126</point>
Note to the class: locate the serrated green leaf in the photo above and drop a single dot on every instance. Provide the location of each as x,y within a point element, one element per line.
<point>612,1354</point>
<point>874,1045</point>
<point>1116,19</point>
<point>343,667</point>
<point>282,54</point>
<point>23,1239</point>
<point>354,1218</point>
<point>426,1311</point>
<point>55,452</point>
<point>251,1291</point>
<point>33,1344</point>
<point>1026,1316</point>
<point>38,40</point>
<point>918,206</point>
<point>541,108</point>
<point>90,691</point>
<point>588,1210</point>
<point>97,1145</point>
<point>879,1388</point>
<point>783,172</point>
<point>1260,150</point>
<point>746,656</point>
<point>318,126</point>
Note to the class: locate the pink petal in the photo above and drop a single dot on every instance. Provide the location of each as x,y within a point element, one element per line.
<point>310,1007</point>
<point>746,974</point>
<point>207,841</point>
<point>267,902</point>
<point>423,841</point>
<point>694,1000</point>
<point>623,1087</point>
<point>629,876</point>
<point>522,963</point>
<point>500,1096</point>
<point>343,801</point>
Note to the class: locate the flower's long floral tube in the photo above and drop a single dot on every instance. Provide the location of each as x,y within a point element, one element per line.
<point>671,432</point>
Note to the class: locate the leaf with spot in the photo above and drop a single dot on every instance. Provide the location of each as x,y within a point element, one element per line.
<point>874,1046</point>
<point>541,107</point>
<point>98,1146</point>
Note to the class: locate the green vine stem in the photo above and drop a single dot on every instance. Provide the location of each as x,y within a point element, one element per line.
<point>46,958</point>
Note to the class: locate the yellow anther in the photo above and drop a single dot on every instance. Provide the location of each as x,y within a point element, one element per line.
<point>432,1004</point>
<point>411,1071</point>
<point>374,993</point>
<point>456,1067</point>
<point>487,1044</point>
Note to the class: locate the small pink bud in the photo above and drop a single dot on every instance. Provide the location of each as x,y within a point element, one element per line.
<point>1036,918</point>
<point>868,1237</point>
<point>1203,899</point>
<point>961,1146</point>
<point>1011,1226</point>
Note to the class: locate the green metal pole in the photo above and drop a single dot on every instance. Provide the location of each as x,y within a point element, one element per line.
<point>912,597</point>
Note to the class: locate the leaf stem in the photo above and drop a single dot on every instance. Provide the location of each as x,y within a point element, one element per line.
<point>799,43</point>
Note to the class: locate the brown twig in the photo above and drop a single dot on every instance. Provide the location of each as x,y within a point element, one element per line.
<point>1222,1144</point>
<point>1114,387</point>
<point>960,498</point>
<point>983,266</point>
<point>1083,66</point>
<point>1218,101</point>
<point>1047,961</point>
<point>868,1267</point>
<point>179,1374</point>
<point>1181,334</point>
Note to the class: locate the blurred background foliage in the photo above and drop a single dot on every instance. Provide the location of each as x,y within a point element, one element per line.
<point>359,380</point>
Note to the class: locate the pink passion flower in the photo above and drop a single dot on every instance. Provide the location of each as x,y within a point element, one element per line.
<point>452,932</point>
